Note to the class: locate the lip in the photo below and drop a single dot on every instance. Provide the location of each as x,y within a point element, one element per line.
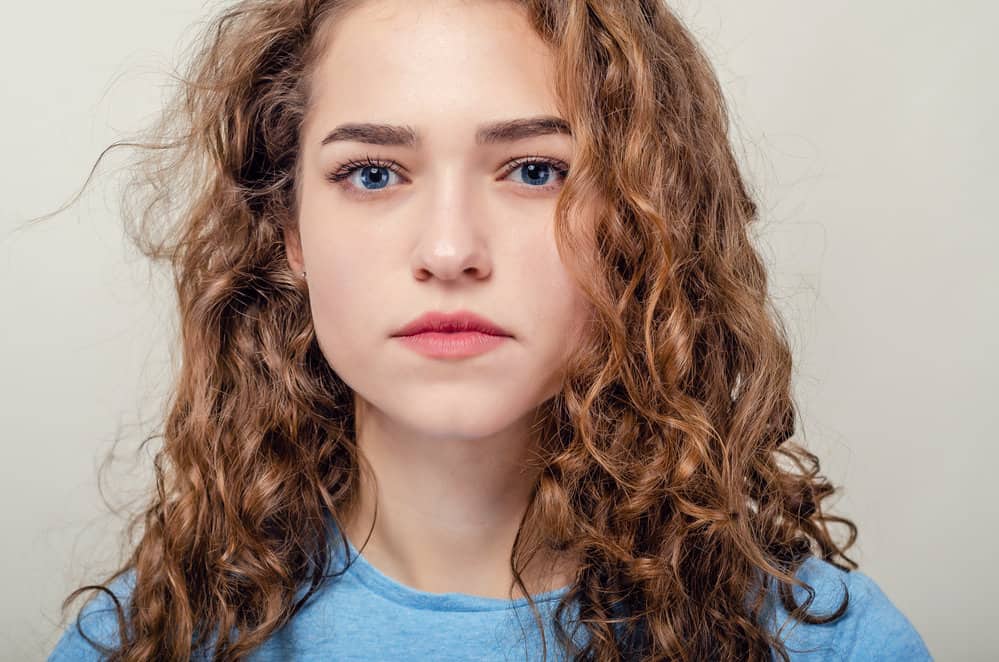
<point>461,322</point>
<point>452,335</point>
<point>456,345</point>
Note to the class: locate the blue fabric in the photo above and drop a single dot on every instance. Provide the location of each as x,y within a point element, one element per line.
<point>366,615</point>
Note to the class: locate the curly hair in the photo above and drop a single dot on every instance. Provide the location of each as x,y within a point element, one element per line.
<point>666,460</point>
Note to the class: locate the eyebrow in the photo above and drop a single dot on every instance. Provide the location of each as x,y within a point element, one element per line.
<point>486,134</point>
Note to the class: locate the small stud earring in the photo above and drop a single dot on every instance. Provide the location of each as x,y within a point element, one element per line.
<point>303,274</point>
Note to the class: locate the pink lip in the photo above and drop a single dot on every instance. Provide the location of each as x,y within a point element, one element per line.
<point>460,344</point>
<point>452,335</point>
<point>458,321</point>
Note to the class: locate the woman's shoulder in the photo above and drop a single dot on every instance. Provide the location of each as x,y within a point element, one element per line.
<point>96,621</point>
<point>872,627</point>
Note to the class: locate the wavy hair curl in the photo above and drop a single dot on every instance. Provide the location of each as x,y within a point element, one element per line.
<point>667,461</point>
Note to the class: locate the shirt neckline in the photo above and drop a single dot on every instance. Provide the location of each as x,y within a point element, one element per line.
<point>383,585</point>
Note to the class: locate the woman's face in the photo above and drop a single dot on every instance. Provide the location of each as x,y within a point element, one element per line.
<point>450,225</point>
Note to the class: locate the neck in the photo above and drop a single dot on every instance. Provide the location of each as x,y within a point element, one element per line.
<point>448,509</point>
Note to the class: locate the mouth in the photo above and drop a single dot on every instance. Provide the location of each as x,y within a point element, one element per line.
<point>461,334</point>
<point>459,323</point>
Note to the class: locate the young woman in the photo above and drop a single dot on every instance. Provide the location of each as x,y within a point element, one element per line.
<point>477,357</point>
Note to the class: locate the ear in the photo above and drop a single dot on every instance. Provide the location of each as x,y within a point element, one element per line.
<point>293,249</point>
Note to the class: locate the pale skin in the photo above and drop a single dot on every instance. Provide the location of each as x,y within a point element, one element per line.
<point>454,228</point>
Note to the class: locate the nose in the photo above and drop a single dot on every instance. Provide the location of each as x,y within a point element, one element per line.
<point>453,229</point>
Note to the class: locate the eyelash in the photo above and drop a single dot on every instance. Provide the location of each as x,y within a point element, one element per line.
<point>347,169</point>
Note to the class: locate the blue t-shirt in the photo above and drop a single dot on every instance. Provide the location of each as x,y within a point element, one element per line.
<point>366,615</point>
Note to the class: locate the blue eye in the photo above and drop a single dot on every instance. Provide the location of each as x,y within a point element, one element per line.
<point>376,175</point>
<point>538,170</point>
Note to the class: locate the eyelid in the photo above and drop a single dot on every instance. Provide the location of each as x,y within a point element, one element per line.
<point>342,172</point>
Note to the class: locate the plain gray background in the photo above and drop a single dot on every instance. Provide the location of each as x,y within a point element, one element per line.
<point>867,130</point>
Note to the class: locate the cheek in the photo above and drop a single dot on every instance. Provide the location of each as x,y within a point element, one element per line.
<point>330,301</point>
<point>559,307</point>
<point>340,298</point>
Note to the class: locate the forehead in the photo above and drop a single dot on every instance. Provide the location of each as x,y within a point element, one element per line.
<point>439,59</point>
